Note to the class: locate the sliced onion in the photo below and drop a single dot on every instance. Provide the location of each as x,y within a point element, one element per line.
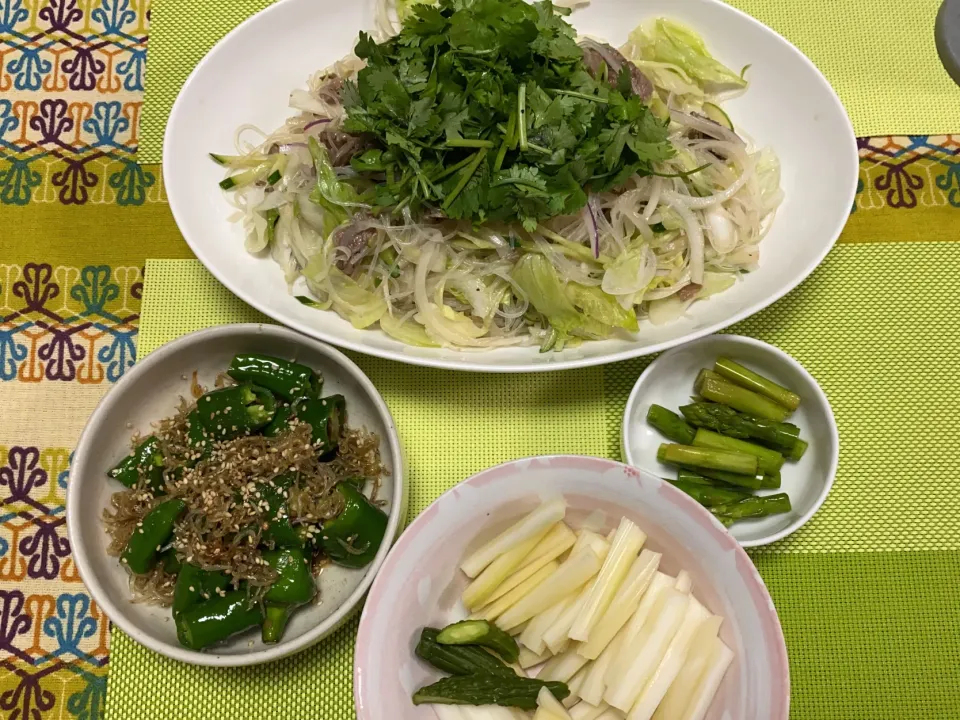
<point>707,127</point>
<point>694,234</point>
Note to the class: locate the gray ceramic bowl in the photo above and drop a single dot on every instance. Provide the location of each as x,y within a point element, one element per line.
<point>150,391</point>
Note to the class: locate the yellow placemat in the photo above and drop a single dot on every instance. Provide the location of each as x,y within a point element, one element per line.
<point>879,55</point>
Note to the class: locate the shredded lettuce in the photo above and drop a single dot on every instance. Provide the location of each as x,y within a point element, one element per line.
<point>330,193</point>
<point>357,304</point>
<point>408,331</point>
<point>631,271</point>
<point>537,278</point>
<point>601,308</point>
<point>668,42</point>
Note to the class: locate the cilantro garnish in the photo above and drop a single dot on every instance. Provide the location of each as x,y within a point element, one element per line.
<point>485,109</point>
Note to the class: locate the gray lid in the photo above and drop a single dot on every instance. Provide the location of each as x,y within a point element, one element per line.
<point>947,34</point>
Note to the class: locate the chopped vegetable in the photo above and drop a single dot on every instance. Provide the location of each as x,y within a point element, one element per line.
<point>497,608</point>
<point>729,422</point>
<point>709,458</point>
<point>670,425</point>
<point>770,461</point>
<point>715,388</point>
<point>753,507</point>
<point>737,373</point>
<point>544,517</point>
<point>552,546</point>
<point>459,659</point>
<point>515,692</point>
<point>479,592</point>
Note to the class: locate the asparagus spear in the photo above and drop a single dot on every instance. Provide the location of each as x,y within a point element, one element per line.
<point>798,449</point>
<point>753,507</point>
<point>737,373</point>
<point>753,482</point>
<point>713,387</point>
<point>771,481</point>
<point>670,425</point>
<point>769,461</point>
<point>728,421</point>
<point>708,458</point>
<point>709,496</point>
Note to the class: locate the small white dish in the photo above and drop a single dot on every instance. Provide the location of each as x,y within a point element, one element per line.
<point>149,392</point>
<point>668,381</point>
<point>248,77</point>
<point>420,583</point>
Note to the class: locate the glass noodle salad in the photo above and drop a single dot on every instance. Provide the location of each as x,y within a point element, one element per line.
<point>477,176</point>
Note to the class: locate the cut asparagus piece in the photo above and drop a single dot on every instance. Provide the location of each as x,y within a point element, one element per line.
<point>480,591</point>
<point>798,449</point>
<point>754,507</point>
<point>712,387</point>
<point>771,481</point>
<point>660,583</point>
<point>694,665</point>
<point>532,635</point>
<point>670,425</point>
<point>727,421</point>
<point>710,496</point>
<point>708,458</point>
<point>556,542</point>
<point>562,667</point>
<point>746,377</point>
<point>753,482</point>
<point>768,461</point>
<point>585,711</point>
<point>494,610</point>
<point>709,683</point>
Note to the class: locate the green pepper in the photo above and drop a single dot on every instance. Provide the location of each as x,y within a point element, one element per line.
<point>280,531</point>
<point>326,416</point>
<point>294,584</point>
<point>151,534</point>
<point>287,379</point>
<point>275,619</point>
<point>146,459</point>
<point>217,619</point>
<point>195,585</point>
<point>230,412</point>
<point>353,538</point>
<point>281,418</point>
<point>171,563</point>
<point>199,438</point>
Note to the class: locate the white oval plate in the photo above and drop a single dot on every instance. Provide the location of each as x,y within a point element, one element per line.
<point>248,76</point>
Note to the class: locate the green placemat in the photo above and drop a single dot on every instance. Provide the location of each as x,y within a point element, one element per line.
<point>879,55</point>
<point>864,628</point>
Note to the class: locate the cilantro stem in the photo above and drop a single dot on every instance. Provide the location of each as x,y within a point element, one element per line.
<point>465,177</point>
<point>538,148</point>
<point>580,252</point>
<point>507,141</point>
<point>522,115</point>
<point>452,169</point>
<point>685,174</point>
<point>468,143</point>
<point>582,96</point>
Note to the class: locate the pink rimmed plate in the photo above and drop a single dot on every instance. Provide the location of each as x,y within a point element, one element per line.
<point>420,583</point>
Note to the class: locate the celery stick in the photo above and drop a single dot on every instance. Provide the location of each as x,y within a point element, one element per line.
<point>639,618</point>
<point>481,590</point>
<point>720,659</point>
<point>532,635</point>
<point>683,686</point>
<point>572,574</point>
<point>562,667</point>
<point>549,548</point>
<point>649,649</point>
<point>673,658</point>
<point>543,517</point>
<point>624,604</point>
<point>494,610</point>
<point>623,551</point>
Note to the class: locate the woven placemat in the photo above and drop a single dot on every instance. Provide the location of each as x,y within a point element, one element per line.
<point>868,324</point>
<point>904,91</point>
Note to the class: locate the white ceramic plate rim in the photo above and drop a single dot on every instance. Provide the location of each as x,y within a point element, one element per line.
<point>253,299</point>
<point>831,426</point>
<point>365,645</point>
<point>349,605</point>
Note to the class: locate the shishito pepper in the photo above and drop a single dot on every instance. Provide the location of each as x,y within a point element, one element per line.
<point>218,618</point>
<point>353,538</point>
<point>279,531</point>
<point>153,532</point>
<point>230,412</point>
<point>147,459</point>
<point>287,379</point>
<point>326,416</point>
<point>195,586</point>
<point>285,412</point>
<point>294,584</point>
